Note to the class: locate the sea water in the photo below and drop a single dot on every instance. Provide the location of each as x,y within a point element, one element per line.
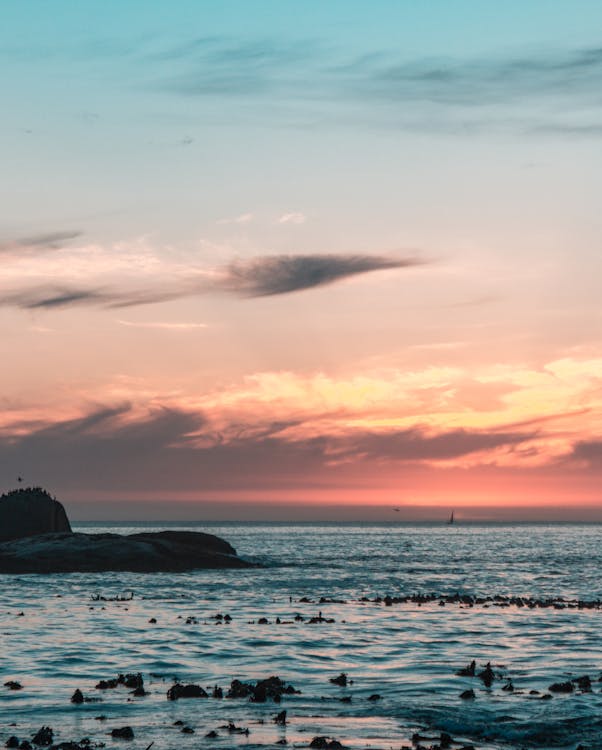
<point>56,635</point>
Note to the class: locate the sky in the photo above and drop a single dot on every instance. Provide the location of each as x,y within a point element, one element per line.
<point>302,259</point>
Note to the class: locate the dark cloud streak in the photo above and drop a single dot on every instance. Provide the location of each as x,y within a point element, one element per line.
<point>52,297</point>
<point>271,275</point>
<point>39,242</point>
<point>259,277</point>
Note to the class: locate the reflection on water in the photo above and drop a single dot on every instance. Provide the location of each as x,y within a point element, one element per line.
<point>406,653</point>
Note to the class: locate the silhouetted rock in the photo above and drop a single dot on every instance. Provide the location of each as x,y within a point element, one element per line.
<point>131,680</point>
<point>325,743</point>
<point>77,696</point>
<point>142,552</point>
<point>233,729</point>
<point>584,683</point>
<point>239,689</point>
<point>561,687</point>
<point>178,691</point>
<point>123,733</point>
<point>487,675</point>
<point>272,687</point>
<point>43,736</point>
<point>468,671</point>
<point>107,684</point>
<point>30,512</point>
<point>12,742</point>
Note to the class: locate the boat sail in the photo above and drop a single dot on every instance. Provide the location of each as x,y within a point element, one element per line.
<point>451,518</point>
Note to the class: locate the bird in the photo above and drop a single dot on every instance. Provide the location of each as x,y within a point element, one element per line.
<point>396,510</point>
<point>19,479</point>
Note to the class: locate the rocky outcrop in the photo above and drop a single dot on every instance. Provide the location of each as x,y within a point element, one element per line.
<point>161,551</point>
<point>36,537</point>
<point>31,511</point>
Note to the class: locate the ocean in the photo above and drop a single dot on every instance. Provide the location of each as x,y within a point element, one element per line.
<point>528,602</point>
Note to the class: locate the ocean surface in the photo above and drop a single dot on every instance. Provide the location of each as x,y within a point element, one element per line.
<point>408,653</point>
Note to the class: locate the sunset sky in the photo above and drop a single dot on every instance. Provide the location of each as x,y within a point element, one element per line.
<point>284,256</point>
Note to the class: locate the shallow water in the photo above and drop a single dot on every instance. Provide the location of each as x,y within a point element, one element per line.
<point>406,653</point>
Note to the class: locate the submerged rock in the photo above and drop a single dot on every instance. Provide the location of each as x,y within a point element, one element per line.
<point>29,512</point>
<point>142,552</point>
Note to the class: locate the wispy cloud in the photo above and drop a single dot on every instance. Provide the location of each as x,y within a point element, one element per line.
<point>245,218</point>
<point>221,66</point>
<point>39,242</point>
<point>554,90</point>
<point>293,217</point>
<point>163,326</point>
<point>477,82</point>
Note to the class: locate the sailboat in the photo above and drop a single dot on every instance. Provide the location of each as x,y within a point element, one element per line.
<point>451,518</point>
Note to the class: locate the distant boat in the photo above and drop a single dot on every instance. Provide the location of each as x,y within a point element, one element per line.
<point>451,518</point>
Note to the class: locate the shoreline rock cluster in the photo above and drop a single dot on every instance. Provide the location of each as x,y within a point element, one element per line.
<point>497,600</point>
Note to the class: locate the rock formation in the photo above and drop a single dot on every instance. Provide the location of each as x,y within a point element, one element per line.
<point>36,537</point>
<point>146,552</point>
<point>30,511</point>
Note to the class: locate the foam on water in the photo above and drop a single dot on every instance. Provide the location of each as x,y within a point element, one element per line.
<point>408,653</point>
